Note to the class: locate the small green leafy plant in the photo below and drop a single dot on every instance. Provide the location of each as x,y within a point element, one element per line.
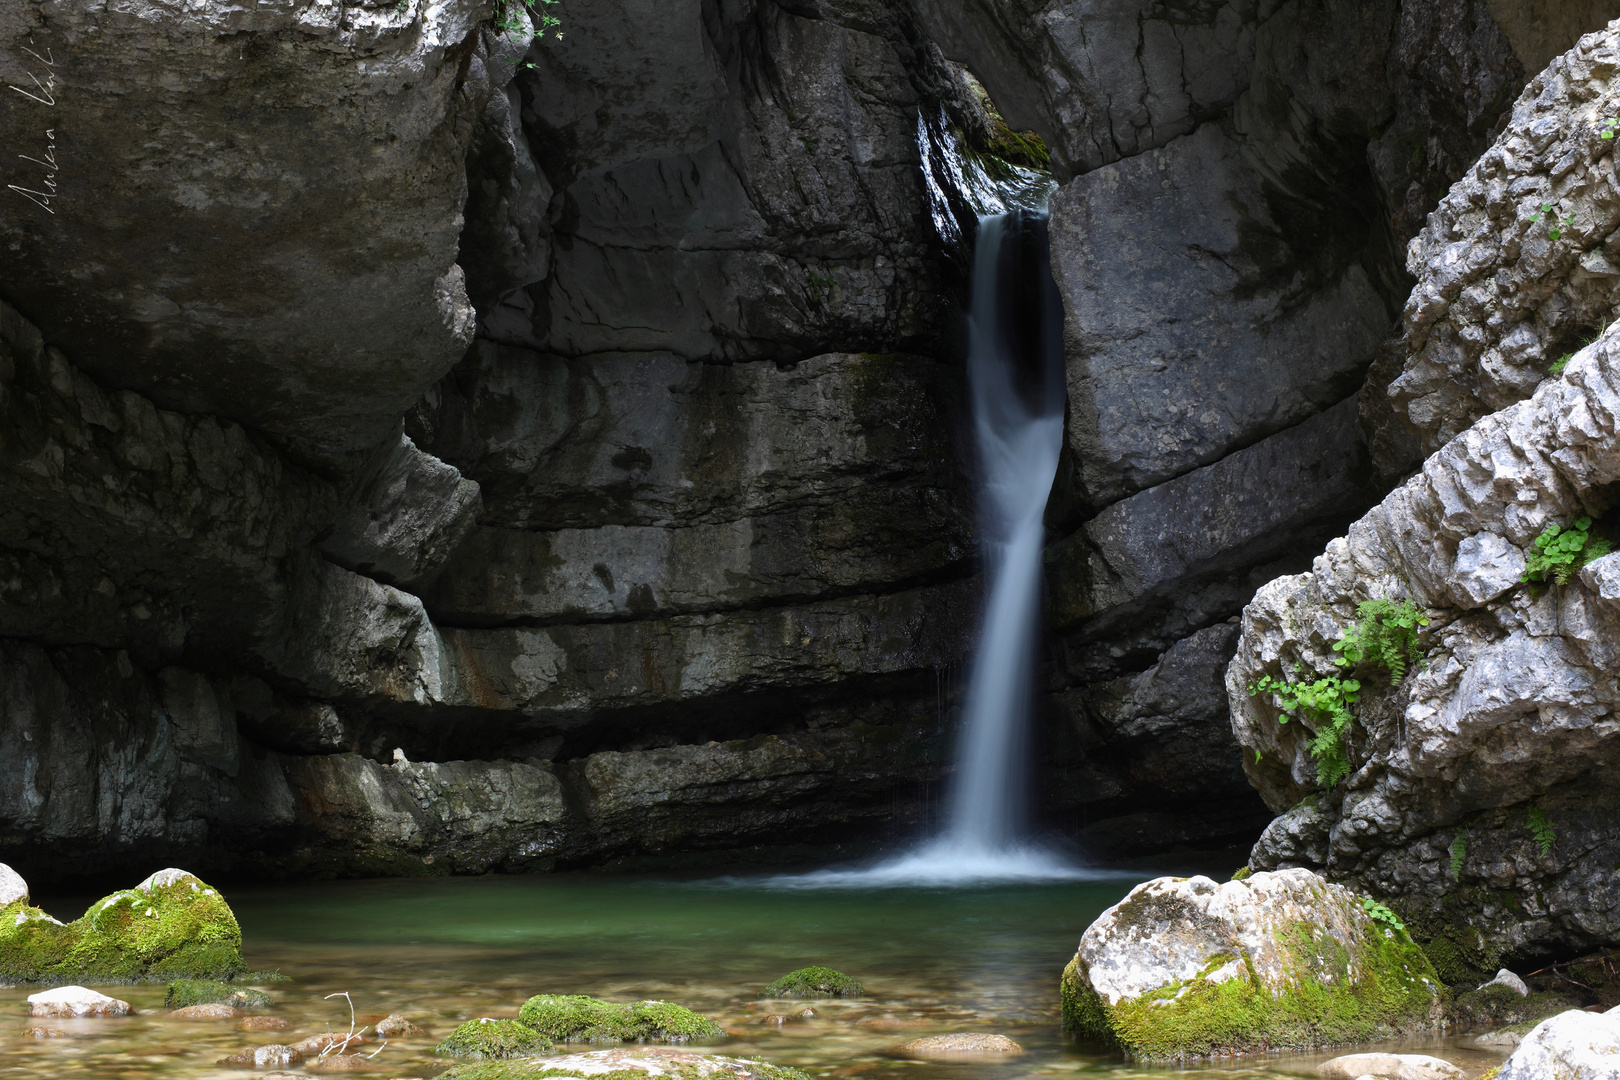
<point>1540,828</point>
<point>1560,364</point>
<point>1556,229</point>
<point>1607,128</point>
<point>509,22</point>
<point>1379,913</point>
<point>1386,632</point>
<point>1329,701</point>
<point>1459,851</point>
<point>1560,552</point>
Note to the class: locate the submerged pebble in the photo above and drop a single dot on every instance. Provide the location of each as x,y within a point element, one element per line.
<point>263,1023</point>
<point>340,1063</point>
<point>264,1057</point>
<point>395,1026</point>
<point>959,1045</point>
<point>213,1011</point>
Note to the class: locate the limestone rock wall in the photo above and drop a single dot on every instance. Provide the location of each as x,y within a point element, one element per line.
<point>1510,715</point>
<point>1227,243</point>
<point>505,453</point>
<point>1481,799</point>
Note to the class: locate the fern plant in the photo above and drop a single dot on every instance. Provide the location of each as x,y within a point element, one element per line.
<point>1561,551</point>
<point>1540,828</point>
<point>1328,700</point>
<point>1459,851</point>
<point>541,19</point>
<point>1386,633</point>
<point>1560,364</point>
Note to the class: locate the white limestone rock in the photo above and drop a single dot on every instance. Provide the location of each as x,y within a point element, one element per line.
<point>1487,566</point>
<point>1573,1045</point>
<point>12,887</point>
<point>1389,1067</point>
<point>1506,978</point>
<point>1162,949</point>
<point>1602,576</point>
<point>73,1001</point>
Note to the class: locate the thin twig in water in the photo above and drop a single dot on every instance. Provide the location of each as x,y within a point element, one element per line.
<point>332,1045</point>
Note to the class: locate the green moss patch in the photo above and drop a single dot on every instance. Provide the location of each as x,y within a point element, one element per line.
<point>488,1038</point>
<point>1497,1007</point>
<point>172,926</point>
<point>183,992</point>
<point>577,1018</point>
<point>814,982</point>
<point>1319,1006</point>
<point>541,1070</point>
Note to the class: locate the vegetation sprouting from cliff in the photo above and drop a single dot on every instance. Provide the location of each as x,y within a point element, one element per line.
<point>1560,552</point>
<point>1386,635</point>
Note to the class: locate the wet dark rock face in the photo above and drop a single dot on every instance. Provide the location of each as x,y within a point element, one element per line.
<point>516,457</point>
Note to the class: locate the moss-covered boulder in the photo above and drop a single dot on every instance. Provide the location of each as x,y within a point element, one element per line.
<point>169,926</point>
<point>639,1063</point>
<point>486,1038</point>
<point>814,982</point>
<point>187,992</point>
<point>1185,968</point>
<point>577,1018</point>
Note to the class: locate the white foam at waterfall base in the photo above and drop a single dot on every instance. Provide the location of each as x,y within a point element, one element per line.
<point>1019,430</point>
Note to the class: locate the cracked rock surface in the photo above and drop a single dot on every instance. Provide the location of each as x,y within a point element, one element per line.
<point>1512,713</point>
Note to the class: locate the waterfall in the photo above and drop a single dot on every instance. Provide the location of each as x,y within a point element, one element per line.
<point>1015,379</point>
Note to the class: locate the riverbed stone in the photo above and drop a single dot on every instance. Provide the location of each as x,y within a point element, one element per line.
<point>1389,1067</point>
<point>1184,968</point>
<point>963,1045</point>
<point>274,1056</point>
<point>395,1026</point>
<point>185,992</point>
<point>66,1002</point>
<point>484,1037</point>
<point>263,1023</point>
<point>653,1062</point>
<point>213,1011</point>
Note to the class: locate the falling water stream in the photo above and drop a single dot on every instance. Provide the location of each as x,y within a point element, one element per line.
<point>1015,380</point>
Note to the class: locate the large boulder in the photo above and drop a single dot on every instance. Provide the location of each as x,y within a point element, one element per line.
<point>169,926</point>
<point>1186,968</point>
<point>1573,1045</point>
<point>296,273</point>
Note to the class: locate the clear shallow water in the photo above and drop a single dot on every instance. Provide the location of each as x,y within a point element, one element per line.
<point>442,951</point>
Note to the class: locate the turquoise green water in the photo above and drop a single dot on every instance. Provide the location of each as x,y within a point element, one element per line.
<point>442,951</point>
